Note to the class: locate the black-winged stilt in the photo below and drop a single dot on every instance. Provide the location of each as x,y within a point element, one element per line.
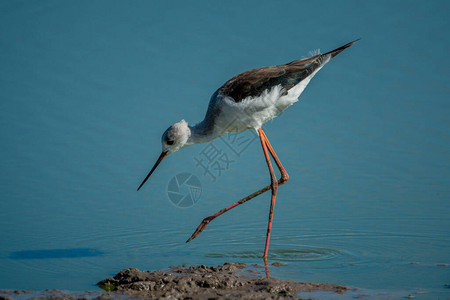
<point>247,101</point>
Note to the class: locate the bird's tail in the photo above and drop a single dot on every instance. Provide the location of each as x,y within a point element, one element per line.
<point>335,52</point>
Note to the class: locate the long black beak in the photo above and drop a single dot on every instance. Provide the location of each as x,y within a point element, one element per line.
<point>161,157</point>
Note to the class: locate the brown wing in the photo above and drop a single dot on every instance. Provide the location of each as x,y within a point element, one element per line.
<point>254,82</point>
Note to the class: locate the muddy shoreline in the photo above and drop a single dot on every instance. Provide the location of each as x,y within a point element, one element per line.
<point>228,281</point>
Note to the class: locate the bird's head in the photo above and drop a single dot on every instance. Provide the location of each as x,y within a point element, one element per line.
<point>173,139</point>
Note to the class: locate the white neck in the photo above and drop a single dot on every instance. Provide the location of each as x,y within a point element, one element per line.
<point>200,133</point>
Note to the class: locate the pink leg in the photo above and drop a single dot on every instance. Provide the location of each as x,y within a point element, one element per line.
<point>266,267</point>
<point>284,174</point>
<point>282,180</point>
<point>274,187</point>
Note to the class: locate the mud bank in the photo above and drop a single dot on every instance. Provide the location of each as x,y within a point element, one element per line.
<point>229,281</point>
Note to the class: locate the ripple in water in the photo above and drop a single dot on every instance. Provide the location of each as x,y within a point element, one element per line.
<point>303,254</point>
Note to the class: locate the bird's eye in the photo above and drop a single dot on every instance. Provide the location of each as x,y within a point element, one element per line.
<point>169,142</point>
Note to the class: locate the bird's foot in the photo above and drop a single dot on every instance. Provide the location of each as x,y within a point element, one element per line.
<point>200,228</point>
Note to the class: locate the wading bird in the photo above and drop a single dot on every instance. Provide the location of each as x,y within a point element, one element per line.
<point>247,101</point>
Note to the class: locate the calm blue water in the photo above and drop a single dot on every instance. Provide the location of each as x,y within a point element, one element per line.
<point>87,88</point>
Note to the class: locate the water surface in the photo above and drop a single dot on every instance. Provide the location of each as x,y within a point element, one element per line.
<point>89,87</point>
